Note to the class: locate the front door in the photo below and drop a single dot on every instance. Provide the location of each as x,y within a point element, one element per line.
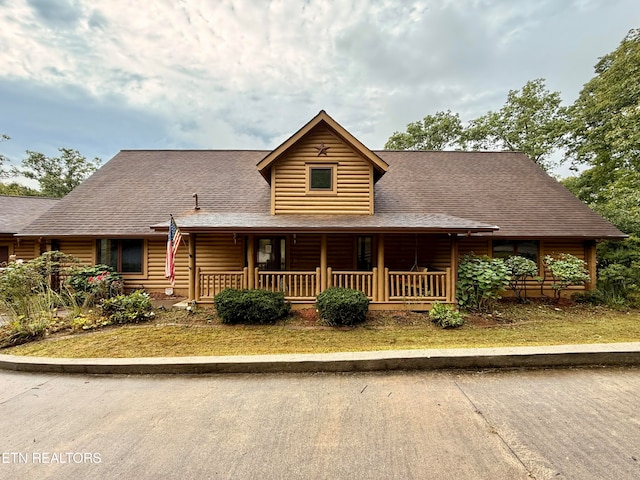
<point>271,253</point>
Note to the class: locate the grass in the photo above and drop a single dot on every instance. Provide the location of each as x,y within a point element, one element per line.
<point>177,333</point>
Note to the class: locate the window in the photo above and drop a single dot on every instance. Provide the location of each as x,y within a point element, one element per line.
<point>271,253</point>
<point>321,178</point>
<point>524,248</point>
<point>365,253</point>
<point>124,255</point>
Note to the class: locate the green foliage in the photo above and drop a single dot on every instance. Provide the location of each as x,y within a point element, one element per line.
<point>3,159</point>
<point>445,315</point>
<point>339,306</point>
<point>519,269</point>
<point>250,306</point>
<point>28,296</point>
<point>481,280</point>
<point>23,329</point>
<point>14,189</point>
<point>532,121</point>
<point>619,271</point>
<point>566,270</point>
<point>604,130</point>
<point>91,284</point>
<point>133,308</point>
<point>57,176</point>
<point>434,132</point>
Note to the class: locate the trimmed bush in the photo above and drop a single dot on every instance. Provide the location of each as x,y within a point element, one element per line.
<point>133,308</point>
<point>342,306</point>
<point>445,316</point>
<point>251,306</point>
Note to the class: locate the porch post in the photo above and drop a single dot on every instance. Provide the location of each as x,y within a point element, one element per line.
<point>251,261</point>
<point>590,256</point>
<point>193,274</point>
<point>380,265</point>
<point>323,262</point>
<point>453,281</point>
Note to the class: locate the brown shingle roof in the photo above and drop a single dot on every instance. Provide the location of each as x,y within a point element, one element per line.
<point>138,189</point>
<point>504,188</point>
<point>17,212</point>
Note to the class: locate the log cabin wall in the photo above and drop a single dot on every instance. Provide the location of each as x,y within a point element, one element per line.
<point>354,190</point>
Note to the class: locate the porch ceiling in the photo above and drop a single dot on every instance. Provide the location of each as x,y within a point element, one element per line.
<point>386,221</point>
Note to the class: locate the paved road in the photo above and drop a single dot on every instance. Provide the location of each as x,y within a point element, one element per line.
<point>553,424</point>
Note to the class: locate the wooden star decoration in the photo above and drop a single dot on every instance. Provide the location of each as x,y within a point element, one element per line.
<point>322,149</point>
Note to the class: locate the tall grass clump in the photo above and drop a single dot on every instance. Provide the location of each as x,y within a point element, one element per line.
<point>30,296</point>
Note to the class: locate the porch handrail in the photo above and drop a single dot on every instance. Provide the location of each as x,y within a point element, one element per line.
<point>419,286</point>
<point>366,282</point>
<point>212,283</point>
<point>295,285</point>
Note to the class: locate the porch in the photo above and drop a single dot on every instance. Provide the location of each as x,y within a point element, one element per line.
<point>394,271</point>
<point>384,288</point>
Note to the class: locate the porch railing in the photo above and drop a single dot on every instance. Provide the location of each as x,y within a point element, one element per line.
<point>295,285</point>
<point>418,286</point>
<point>366,282</point>
<point>213,283</point>
<point>305,286</point>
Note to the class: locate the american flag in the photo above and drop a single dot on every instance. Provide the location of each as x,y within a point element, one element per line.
<point>173,243</point>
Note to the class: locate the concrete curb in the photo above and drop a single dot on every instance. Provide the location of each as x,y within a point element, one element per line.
<point>466,358</point>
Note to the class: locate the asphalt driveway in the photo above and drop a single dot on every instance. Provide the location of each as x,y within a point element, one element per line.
<point>573,423</point>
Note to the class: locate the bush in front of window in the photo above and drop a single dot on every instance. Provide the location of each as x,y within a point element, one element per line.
<point>520,268</point>
<point>445,315</point>
<point>90,285</point>
<point>251,306</point>
<point>339,306</point>
<point>566,270</point>
<point>481,280</point>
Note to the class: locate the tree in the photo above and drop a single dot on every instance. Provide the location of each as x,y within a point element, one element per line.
<point>604,127</point>
<point>57,176</point>
<point>3,138</point>
<point>532,121</point>
<point>434,132</point>
<point>15,189</point>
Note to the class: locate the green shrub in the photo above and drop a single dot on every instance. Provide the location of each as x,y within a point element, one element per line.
<point>133,308</point>
<point>445,315</point>
<point>481,280</point>
<point>29,296</point>
<point>22,330</point>
<point>251,306</point>
<point>566,270</point>
<point>342,306</point>
<point>91,284</point>
<point>519,269</point>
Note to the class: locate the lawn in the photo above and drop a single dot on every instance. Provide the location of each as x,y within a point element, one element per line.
<point>179,333</point>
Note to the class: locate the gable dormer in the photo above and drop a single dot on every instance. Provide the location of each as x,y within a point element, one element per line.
<point>322,169</point>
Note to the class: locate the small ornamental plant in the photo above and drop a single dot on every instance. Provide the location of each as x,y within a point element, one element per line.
<point>445,315</point>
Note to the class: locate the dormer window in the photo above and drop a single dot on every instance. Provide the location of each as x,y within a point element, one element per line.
<point>321,178</point>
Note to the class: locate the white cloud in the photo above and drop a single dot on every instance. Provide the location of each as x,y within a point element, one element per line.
<point>248,73</point>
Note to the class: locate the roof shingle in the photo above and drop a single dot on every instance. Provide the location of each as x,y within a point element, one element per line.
<point>138,189</point>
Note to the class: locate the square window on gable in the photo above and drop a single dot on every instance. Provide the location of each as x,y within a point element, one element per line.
<point>321,178</point>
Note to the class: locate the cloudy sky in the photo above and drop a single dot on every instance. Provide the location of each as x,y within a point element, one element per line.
<point>105,75</point>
